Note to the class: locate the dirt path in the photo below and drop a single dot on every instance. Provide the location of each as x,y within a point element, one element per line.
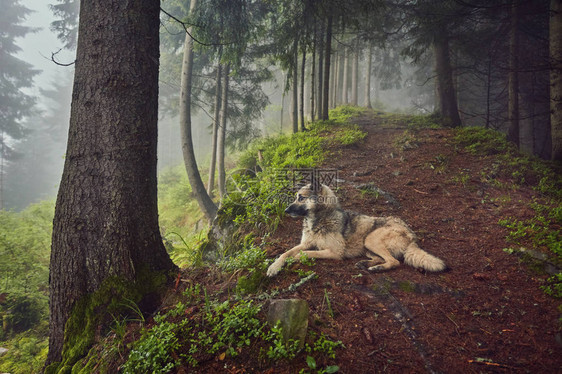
<point>486,314</point>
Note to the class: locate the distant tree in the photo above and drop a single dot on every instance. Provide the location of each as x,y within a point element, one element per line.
<point>327,63</point>
<point>15,74</point>
<point>206,205</point>
<point>105,230</point>
<point>368,69</point>
<point>66,24</point>
<point>36,174</point>
<point>215,130</point>
<point>556,78</point>
<point>513,75</point>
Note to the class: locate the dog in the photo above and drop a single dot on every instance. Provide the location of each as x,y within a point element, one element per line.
<point>337,234</point>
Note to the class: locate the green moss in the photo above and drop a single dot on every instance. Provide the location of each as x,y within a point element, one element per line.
<point>407,286</point>
<point>95,310</point>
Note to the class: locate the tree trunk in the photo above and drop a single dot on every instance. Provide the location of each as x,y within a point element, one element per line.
<point>282,111</point>
<point>326,95</point>
<point>331,99</point>
<point>216,119</point>
<point>447,101</point>
<point>302,89</point>
<point>106,217</point>
<point>345,83</point>
<point>556,78</point>
<point>221,143</point>
<point>295,85</point>
<point>513,77</point>
<point>368,68</point>
<point>354,75</point>
<point>320,92</point>
<point>206,205</point>
<point>312,78</point>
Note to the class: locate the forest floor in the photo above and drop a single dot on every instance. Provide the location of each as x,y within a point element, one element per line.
<point>487,313</point>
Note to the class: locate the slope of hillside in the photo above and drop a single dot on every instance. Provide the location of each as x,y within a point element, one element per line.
<point>486,313</point>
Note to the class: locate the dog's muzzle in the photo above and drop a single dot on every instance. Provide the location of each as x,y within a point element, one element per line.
<point>296,210</point>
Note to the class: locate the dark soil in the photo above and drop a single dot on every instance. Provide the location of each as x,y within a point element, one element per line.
<point>485,314</point>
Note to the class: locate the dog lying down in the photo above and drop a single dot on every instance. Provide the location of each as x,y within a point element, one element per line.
<point>339,234</point>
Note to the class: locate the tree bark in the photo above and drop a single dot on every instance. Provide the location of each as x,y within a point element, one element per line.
<point>206,205</point>
<point>556,78</point>
<point>216,119</point>
<point>513,77</point>
<point>221,144</point>
<point>447,101</point>
<point>302,89</point>
<point>320,92</point>
<point>295,85</point>
<point>327,60</point>
<point>368,68</point>
<point>354,75</point>
<point>106,217</point>
<point>312,78</point>
<point>345,83</point>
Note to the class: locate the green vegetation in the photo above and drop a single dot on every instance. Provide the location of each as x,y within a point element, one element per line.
<point>511,170</point>
<point>25,239</point>
<point>253,207</point>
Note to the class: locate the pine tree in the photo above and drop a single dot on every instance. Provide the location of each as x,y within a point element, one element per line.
<point>15,74</point>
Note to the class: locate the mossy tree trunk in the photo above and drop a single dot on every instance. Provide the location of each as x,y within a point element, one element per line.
<point>106,218</point>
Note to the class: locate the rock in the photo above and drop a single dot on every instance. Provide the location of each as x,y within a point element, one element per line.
<point>3,351</point>
<point>292,314</point>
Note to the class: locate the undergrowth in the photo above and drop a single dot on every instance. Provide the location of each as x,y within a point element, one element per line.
<point>512,169</point>
<point>200,326</point>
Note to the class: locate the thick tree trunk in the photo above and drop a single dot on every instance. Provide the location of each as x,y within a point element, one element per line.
<point>354,75</point>
<point>216,119</point>
<point>206,205</point>
<point>368,67</point>
<point>556,78</point>
<point>221,143</point>
<point>447,101</point>
<point>106,217</point>
<point>513,77</point>
<point>327,60</point>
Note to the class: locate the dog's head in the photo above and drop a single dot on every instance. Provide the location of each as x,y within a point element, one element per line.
<point>309,200</point>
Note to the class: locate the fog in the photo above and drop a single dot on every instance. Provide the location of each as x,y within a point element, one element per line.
<point>35,174</point>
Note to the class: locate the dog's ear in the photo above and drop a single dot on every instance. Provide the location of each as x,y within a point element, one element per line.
<point>328,196</point>
<point>315,185</point>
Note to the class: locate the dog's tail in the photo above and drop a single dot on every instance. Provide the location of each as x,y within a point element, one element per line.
<point>418,258</point>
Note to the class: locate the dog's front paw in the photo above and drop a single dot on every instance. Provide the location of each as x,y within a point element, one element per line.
<point>377,269</point>
<point>274,268</point>
<point>363,265</point>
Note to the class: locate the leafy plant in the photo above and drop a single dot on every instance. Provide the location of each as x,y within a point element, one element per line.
<point>153,352</point>
<point>280,348</point>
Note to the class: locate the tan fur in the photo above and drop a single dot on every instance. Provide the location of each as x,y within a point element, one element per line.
<point>337,234</point>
